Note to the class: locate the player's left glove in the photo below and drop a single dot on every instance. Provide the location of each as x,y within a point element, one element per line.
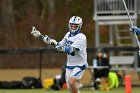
<point>134,30</point>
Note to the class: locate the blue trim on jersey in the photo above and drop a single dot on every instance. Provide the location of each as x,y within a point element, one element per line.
<point>72,67</point>
<point>69,35</point>
<point>77,49</point>
<point>68,42</point>
<point>72,54</point>
<point>77,73</point>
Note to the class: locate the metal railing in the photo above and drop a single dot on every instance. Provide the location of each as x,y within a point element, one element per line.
<point>38,57</point>
<point>114,8</point>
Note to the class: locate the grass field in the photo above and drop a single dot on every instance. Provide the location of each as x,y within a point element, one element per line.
<point>18,74</point>
<point>118,90</point>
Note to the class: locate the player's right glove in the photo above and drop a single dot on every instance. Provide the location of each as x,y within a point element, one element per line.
<point>67,49</point>
<point>134,30</point>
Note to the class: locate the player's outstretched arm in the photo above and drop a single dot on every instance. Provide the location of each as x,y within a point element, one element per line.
<point>135,30</point>
<point>45,38</point>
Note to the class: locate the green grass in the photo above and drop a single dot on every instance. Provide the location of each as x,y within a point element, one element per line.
<point>118,90</point>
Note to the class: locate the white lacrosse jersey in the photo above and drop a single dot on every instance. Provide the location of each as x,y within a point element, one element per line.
<point>78,41</point>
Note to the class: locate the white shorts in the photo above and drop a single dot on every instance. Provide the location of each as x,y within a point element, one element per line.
<point>76,73</point>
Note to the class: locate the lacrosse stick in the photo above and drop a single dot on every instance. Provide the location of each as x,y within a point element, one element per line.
<point>45,38</point>
<point>33,28</point>
<point>131,23</point>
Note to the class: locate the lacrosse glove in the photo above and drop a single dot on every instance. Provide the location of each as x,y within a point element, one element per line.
<point>134,30</point>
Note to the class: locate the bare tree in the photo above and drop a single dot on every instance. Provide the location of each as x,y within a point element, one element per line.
<point>51,6</point>
<point>44,3</point>
<point>7,14</point>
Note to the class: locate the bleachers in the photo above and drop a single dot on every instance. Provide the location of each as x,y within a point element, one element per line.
<point>121,60</point>
<point>112,13</point>
<point>123,63</point>
<point>114,10</point>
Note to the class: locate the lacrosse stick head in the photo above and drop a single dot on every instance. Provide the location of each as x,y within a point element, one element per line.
<point>35,33</point>
<point>33,28</point>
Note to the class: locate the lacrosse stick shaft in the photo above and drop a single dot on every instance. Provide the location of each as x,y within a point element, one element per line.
<point>127,13</point>
<point>131,23</point>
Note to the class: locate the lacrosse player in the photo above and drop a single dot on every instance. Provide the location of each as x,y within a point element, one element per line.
<point>135,30</point>
<point>74,45</point>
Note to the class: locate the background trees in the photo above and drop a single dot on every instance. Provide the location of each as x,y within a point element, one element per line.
<point>49,16</point>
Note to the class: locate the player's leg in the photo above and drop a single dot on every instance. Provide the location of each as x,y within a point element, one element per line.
<point>72,77</point>
<point>68,73</point>
<point>72,84</point>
